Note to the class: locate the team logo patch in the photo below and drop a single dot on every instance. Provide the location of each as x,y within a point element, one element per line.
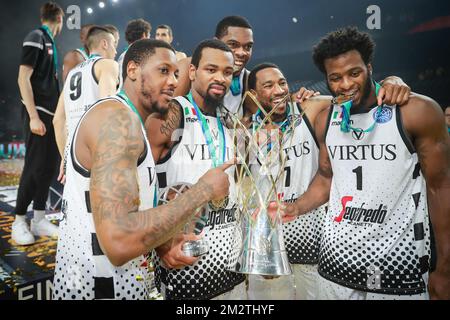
<point>357,135</point>
<point>384,116</point>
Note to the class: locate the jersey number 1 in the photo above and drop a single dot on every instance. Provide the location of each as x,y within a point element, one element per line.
<point>358,172</point>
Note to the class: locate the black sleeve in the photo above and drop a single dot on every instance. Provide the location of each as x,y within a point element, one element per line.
<point>33,44</point>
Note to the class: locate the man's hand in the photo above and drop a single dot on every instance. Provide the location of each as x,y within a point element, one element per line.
<point>304,94</point>
<point>171,253</point>
<point>37,126</point>
<point>62,175</point>
<point>218,181</point>
<point>289,212</point>
<point>393,91</point>
<point>439,285</point>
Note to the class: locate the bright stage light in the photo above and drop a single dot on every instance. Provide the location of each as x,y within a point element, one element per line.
<point>101,4</point>
<point>89,10</point>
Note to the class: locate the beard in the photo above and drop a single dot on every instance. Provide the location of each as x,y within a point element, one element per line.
<point>212,100</point>
<point>366,91</point>
<point>150,105</point>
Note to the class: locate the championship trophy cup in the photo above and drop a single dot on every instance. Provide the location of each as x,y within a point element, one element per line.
<point>258,245</point>
<point>193,248</point>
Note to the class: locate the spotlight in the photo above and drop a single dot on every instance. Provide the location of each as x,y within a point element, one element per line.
<point>101,4</point>
<point>89,10</point>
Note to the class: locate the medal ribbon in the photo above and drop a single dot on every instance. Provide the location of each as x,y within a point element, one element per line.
<point>216,159</point>
<point>346,106</point>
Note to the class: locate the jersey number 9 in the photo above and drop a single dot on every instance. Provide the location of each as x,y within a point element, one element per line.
<point>75,86</point>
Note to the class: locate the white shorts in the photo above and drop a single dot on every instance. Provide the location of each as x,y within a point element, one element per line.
<point>301,285</point>
<point>328,290</point>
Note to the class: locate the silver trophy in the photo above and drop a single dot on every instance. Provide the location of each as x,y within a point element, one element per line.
<point>194,226</point>
<point>258,245</point>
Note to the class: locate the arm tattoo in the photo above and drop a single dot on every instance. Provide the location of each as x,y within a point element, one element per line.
<point>114,188</point>
<point>113,185</point>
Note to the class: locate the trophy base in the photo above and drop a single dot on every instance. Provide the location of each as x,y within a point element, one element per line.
<point>195,248</point>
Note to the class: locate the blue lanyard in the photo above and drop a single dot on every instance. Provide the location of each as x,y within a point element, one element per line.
<point>55,53</point>
<point>94,55</point>
<point>346,106</point>
<point>83,50</point>
<point>282,126</point>
<point>207,134</point>
<point>235,87</point>
<point>124,96</point>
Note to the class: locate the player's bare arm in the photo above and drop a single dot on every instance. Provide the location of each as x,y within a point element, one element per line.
<point>59,123</point>
<point>315,105</point>
<point>26,92</point>
<point>114,148</point>
<point>424,121</point>
<point>318,192</point>
<point>107,73</point>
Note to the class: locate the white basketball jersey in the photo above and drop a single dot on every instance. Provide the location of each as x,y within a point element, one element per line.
<point>376,233</point>
<point>82,270</point>
<point>80,92</point>
<point>232,102</point>
<point>302,235</point>
<point>186,163</point>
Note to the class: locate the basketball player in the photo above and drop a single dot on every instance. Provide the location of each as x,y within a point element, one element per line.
<point>114,31</point>
<point>187,141</point>
<point>110,219</point>
<point>136,30</point>
<point>237,33</point>
<point>164,33</point>
<point>88,82</point>
<point>373,164</point>
<point>302,236</point>
<point>76,56</point>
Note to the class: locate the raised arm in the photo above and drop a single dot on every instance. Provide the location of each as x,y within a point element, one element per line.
<point>424,120</point>
<point>124,232</point>
<point>318,191</point>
